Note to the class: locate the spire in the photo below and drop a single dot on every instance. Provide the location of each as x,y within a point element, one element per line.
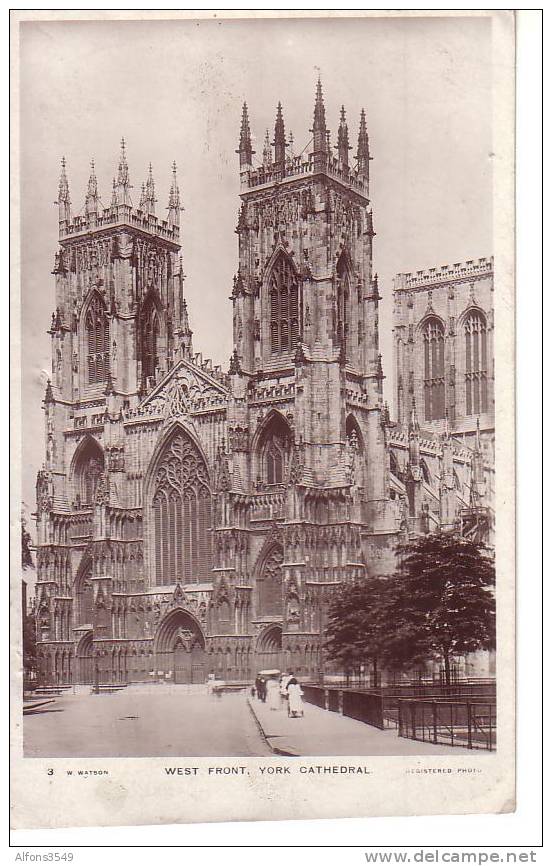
<point>319,130</point>
<point>49,395</point>
<point>413,426</point>
<point>148,200</point>
<point>413,436</point>
<point>123,182</point>
<point>363,148</point>
<point>64,201</point>
<point>174,200</point>
<point>245,151</point>
<point>279,139</point>
<point>291,150</point>
<point>114,194</point>
<point>477,436</point>
<point>343,146</point>
<point>91,204</point>
<point>267,151</point>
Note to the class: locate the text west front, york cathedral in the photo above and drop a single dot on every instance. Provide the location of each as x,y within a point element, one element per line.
<point>193,521</point>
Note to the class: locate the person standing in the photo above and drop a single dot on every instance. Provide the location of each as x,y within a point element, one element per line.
<point>295,699</point>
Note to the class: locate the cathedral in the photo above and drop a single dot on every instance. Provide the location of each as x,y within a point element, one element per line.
<point>194,521</point>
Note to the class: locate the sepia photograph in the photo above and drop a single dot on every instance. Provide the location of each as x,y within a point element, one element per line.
<point>257,325</point>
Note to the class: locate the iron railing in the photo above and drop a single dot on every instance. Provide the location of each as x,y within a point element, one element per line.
<point>469,723</point>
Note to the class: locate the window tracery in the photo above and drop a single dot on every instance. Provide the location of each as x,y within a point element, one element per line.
<point>182,514</point>
<point>434,370</point>
<point>284,307</point>
<point>475,331</point>
<point>149,338</point>
<point>97,341</point>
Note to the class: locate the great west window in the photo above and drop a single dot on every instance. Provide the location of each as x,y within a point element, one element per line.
<point>182,514</point>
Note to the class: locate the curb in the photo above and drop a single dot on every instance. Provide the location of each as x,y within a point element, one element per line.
<point>286,753</point>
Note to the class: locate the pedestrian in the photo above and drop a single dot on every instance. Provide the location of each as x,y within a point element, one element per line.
<point>273,694</point>
<point>295,699</point>
<point>261,689</point>
<point>253,691</point>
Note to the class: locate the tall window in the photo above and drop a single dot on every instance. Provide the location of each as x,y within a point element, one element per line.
<point>275,447</point>
<point>270,584</point>
<point>150,336</point>
<point>343,294</point>
<point>85,597</point>
<point>284,307</point>
<point>182,514</point>
<point>475,330</point>
<point>89,467</point>
<point>97,341</point>
<point>434,370</point>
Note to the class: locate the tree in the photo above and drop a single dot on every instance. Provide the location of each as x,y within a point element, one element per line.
<point>441,601</point>
<point>357,624</point>
<point>26,555</point>
<point>29,625</point>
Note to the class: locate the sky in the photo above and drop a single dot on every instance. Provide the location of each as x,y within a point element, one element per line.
<point>174,90</point>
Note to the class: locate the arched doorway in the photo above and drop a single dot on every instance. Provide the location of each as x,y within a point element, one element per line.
<point>85,660</point>
<point>180,648</point>
<point>269,649</point>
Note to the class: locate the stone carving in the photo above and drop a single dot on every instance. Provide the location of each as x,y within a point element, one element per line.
<point>44,490</point>
<point>101,496</point>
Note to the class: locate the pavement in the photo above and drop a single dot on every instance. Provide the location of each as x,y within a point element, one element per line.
<point>149,721</point>
<point>320,732</point>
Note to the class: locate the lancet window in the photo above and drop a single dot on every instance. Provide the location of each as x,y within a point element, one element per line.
<point>97,341</point>
<point>270,584</point>
<point>275,448</point>
<point>284,307</point>
<point>475,331</point>
<point>434,369</point>
<point>150,338</point>
<point>343,295</point>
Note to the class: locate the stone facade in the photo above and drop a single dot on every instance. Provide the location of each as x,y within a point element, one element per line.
<point>193,521</point>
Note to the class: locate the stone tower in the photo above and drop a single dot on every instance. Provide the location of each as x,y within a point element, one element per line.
<point>304,415</point>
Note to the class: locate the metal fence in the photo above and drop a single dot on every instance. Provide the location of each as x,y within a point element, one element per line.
<point>366,706</point>
<point>469,723</point>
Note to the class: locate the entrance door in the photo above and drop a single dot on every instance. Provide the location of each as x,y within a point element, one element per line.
<point>85,661</point>
<point>182,665</point>
<point>197,657</point>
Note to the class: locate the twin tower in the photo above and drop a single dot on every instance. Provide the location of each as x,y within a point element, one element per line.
<point>191,519</point>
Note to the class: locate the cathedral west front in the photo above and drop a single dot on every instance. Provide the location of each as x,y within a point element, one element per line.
<point>195,521</point>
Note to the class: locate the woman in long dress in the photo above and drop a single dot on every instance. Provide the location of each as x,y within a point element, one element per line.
<point>295,698</point>
<point>273,694</point>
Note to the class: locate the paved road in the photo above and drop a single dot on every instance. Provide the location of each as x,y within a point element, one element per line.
<point>144,723</point>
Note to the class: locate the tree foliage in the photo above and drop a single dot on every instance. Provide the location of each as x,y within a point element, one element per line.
<point>442,601</point>
<point>26,555</point>
<point>438,605</point>
<point>356,625</point>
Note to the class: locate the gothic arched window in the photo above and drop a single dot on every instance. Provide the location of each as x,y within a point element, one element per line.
<point>343,295</point>
<point>425,472</point>
<point>284,307</point>
<point>270,584</point>
<point>274,451</point>
<point>434,369</point>
<point>182,514</point>
<point>85,597</point>
<point>394,465</point>
<point>475,330</point>
<point>97,341</point>
<point>89,467</point>
<point>149,340</point>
